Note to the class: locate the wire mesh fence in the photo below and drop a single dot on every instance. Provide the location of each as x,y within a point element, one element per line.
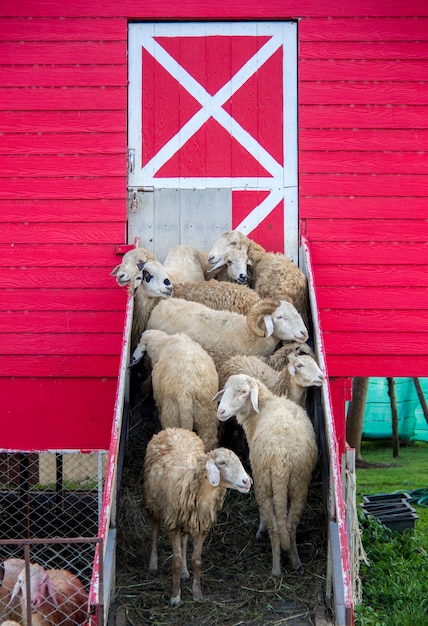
<point>50,507</point>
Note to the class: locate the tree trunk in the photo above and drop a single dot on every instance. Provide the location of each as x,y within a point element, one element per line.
<point>355,414</point>
<point>394,417</point>
<point>421,397</point>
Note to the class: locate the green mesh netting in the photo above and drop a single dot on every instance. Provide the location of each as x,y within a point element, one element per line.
<point>412,425</point>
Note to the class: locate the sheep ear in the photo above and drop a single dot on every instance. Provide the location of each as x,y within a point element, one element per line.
<point>15,592</point>
<point>114,270</point>
<point>217,265</point>
<point>141,264</point>
<point>254,397</point>
<point>137,355</point>
<point>137,281</point>
<point>218,396</point>
<point>52,592</point>
<point>292,370</point>
<point>213,473</point>
<point>269,325</point>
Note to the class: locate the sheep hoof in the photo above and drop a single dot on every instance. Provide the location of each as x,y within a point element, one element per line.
<point>175,601</point>
<point>276,573</point>
<point>185,575</point>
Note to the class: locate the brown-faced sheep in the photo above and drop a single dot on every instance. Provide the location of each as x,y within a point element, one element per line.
<point>184,380</point>
<point>57,597</point>
<point>283,454</point>
<point>184,488</point>
<point>9,572</point>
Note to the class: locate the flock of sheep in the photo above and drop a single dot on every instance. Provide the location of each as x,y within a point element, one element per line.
<point>225,334</point>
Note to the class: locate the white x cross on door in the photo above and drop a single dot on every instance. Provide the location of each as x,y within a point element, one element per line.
<point>213,134</point>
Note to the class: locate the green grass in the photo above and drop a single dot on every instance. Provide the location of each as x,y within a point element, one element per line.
<point>394,584</point>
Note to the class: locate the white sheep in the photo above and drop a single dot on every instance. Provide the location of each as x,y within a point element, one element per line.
<point>267,322</point>
<point>184,380</point>
<point>232,266</point>
<point>277,360</point>
<point>283,454</point>
<point>186,264</point>
<point>57,597</point>
<point>273,274</point>
<point>184,488</point>
<point>126,271</point>
<point>223,296</point>
<point>10,622</point>
<point>9,572</point>
<point>150,285</point>
<point>300,373</point>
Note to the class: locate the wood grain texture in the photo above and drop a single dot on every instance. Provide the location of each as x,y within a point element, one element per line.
<point>393,298</point>
<point>347,91</point>
<point>63,277</point>
<point>326,206</point>
<point>51,255</point>
<point>224,9</point>
<point>67,210</point>
<point>371,253</point>
<point>99,344</point>
<point>65,322</point>
<point>63,366</point>
<point>378,321</point>
<point>42,98</point>
<point>65,410</point>
<point>58,299</point>
<point>378,230</point>
<point>392,275</point>
<point>404,365</point>
<point>358,139</point>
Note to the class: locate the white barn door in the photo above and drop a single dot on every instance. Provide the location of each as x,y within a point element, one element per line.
<point>212,134</point>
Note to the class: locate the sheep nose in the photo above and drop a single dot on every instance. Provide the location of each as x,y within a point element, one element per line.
<point>242,278</point>
<point>211,258</point>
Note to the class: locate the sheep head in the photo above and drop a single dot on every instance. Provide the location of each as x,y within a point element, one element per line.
<point>239,397</point>
<point>153,280</point>
<point>305,370</point>
<point>223,466</point>
<point>279,318</point>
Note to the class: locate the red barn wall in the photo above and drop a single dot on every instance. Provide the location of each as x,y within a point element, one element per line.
<point>363,128</point>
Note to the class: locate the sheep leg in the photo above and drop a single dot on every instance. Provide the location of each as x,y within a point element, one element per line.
<point>198,542</point>
<point>297,505</point>
<point>261,529</point>
<point>175,538</point>
<point>153,562</point>
<point>267,516</point>
<point>184,571</point>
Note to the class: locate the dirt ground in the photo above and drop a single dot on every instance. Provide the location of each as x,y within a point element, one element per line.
<point>236,575</point>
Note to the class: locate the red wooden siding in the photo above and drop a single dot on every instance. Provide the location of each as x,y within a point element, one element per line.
<point>364,186</point>
<point>363,131</point>
<point>63,144</point>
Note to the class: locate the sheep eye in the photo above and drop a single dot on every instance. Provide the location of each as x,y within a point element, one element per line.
<point>300,365</point>
<point>229,262</point>
<point>221,463</point>
<point>167,282</point>
<point>147,276</point>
